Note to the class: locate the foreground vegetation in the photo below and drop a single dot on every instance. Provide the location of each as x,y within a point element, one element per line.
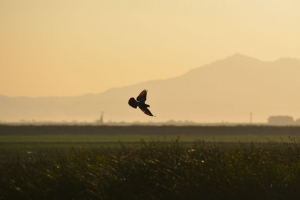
<point>153,170</point>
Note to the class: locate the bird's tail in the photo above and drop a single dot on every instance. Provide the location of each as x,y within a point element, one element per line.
<point>132,102</point>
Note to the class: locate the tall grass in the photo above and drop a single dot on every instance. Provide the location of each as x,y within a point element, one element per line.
<point>155,170</point>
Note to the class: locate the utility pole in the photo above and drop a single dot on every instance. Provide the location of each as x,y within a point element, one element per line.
<point>100,121</point>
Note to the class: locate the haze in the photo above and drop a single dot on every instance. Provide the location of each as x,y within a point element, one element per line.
<point>224,91</point>
<point>68,48</point>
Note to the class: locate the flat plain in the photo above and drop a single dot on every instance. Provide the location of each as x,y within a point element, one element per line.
<point>104,134</point>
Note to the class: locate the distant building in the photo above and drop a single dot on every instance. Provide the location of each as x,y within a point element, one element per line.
<point>281,120</point>
<point>100,121</point>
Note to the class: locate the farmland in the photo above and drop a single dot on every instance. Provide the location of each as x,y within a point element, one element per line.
<point>102,134</point>
<point>144,162</point>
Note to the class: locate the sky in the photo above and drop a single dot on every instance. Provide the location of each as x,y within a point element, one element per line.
<point>75,47</point>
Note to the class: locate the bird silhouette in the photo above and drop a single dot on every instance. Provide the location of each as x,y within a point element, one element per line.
<point>140,102</point>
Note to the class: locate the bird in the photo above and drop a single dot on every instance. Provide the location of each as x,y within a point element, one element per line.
<point>140,102</point>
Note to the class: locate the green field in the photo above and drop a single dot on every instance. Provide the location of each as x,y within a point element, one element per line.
<point>107,134</point>
<point>143,162</point>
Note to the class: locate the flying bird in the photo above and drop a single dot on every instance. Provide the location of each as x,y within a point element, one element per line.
<point>140,102</point>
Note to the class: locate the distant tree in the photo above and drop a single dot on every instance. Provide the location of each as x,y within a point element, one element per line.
<point>281,120</point>
<point>297,121</point>
<point>171,122</point>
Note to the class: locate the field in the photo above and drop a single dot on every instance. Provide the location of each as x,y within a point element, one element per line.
<point>143,162</point>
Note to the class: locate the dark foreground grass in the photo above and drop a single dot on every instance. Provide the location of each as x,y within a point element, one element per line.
<point>154,170</point>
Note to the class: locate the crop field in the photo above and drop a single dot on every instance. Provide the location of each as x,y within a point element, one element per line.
<point>144,162</point>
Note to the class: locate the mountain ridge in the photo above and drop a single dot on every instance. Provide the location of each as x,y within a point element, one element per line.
<point>224,90</point>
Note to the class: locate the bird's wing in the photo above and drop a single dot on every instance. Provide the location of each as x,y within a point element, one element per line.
<point>132,102</point>
<point>142,96</point>
<point>146,111</point>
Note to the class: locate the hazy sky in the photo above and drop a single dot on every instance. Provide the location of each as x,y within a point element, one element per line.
<point>73,47</point>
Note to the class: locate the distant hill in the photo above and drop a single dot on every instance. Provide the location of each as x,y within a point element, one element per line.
<point>226,90</point>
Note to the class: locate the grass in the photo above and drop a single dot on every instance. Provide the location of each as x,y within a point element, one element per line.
<point>154,171</point>
<point>145,169</point>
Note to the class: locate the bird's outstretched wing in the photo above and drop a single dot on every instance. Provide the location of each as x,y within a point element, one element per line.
<point>132,102</point>
<point>142,96</point>
<point>146,111</point>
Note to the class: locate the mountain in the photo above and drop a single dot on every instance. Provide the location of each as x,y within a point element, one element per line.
<point>226,90</point>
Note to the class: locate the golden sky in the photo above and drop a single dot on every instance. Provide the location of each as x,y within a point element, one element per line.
<point>74,47</point>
